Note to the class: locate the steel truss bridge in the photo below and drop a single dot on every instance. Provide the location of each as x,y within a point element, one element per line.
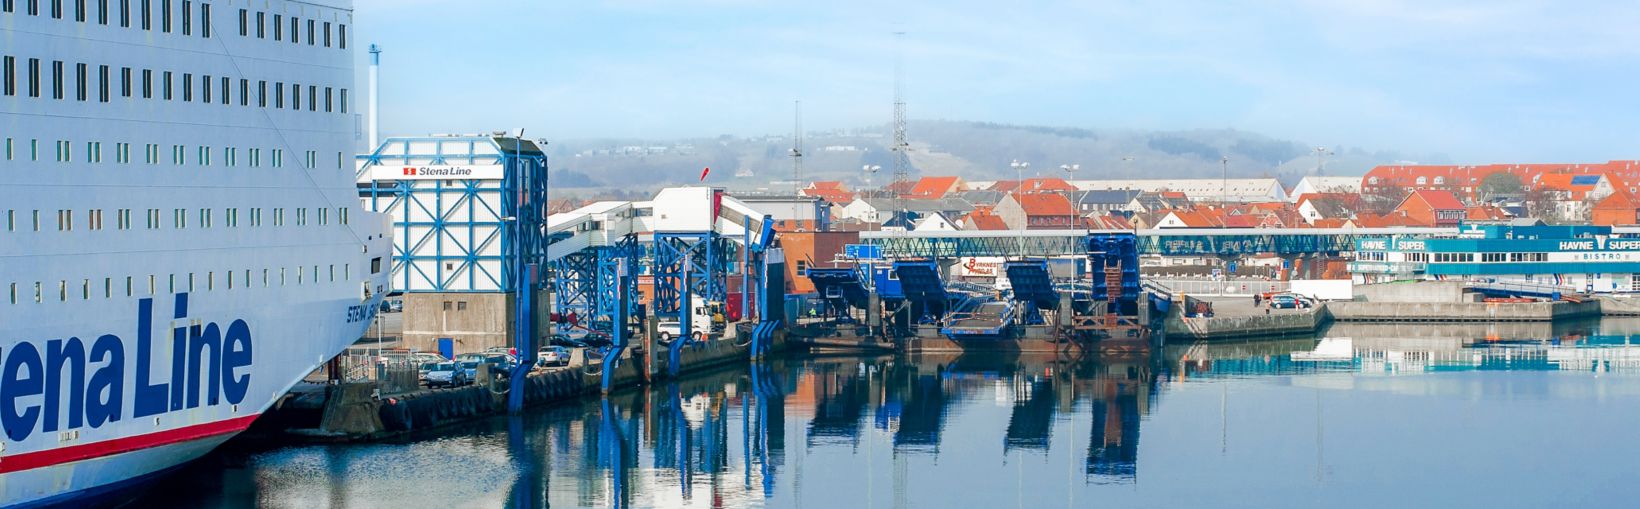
<point>1162,242</point>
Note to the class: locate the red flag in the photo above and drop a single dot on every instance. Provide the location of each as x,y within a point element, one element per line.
<point>703,174</point>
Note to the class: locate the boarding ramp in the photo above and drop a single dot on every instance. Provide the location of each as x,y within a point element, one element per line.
<point>1032,284</point>
<point>921,285</point>
<point>1507,289</point>
<point>842,287</point>
<point>989,320</point>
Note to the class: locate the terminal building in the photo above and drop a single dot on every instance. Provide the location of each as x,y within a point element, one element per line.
<point>1589,259</point>
<point>456,201</point>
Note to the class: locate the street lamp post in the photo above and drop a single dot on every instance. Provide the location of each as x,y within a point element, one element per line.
<point>1019,198</point>
<point>869,170</point>
<point>1224,182</point>
<point>1070,175</point>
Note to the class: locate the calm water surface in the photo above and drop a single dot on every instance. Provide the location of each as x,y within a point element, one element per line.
<point>1517,415</point>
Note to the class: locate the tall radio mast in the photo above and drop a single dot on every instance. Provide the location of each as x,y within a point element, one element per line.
<point>902,161</point>
<point>797,162</point>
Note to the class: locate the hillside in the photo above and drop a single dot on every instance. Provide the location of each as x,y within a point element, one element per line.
<point>973,150</point>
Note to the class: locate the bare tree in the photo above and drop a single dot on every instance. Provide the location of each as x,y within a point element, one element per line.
<point>1383,199</point>
<point>1542,203</point>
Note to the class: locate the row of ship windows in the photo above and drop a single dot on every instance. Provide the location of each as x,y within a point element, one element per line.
<point>133,83</point>
<point>34,220</point>
<point>316,31</point>
<point>1379,256</point>
<point>190,282</point>
<point>151,154</point>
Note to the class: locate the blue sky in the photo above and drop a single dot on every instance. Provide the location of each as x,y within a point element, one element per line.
<point>1480,81</point>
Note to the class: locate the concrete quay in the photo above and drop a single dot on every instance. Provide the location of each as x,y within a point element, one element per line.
<point>358,412</point>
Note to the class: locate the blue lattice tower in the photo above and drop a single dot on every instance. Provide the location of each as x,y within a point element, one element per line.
<point>575,281</point>
<point>1118,251</point>
<point>614,262</point>
<point>699,257</point>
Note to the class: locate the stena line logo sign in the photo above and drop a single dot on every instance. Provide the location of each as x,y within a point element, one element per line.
<point>53,384</point>
<point>438,172</point>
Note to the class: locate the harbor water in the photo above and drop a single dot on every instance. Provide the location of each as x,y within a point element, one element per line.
<point>1472,415</point>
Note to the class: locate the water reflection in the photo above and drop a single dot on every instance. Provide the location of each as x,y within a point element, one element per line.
<point>987,429</point>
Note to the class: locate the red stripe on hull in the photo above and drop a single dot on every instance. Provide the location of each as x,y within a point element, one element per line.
<point>58,456</point>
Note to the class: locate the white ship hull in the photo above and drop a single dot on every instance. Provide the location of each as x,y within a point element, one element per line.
<point>180,237</point>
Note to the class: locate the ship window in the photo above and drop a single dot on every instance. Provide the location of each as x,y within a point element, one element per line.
<point>34,150</point>
<point>279,95</point>
<point>188,86</point>
<point>85,289</point>
<point>347,272</point>
<point>34,77</point>
<point>125,82</point>
<point>313,98</point>
<point>205,88</point>
<point>327,99</point>
<point>229,278</point>
<point>324,216</point>
<point>171,284</point>
<point>264,278</point>
<point>327,34</point>
<point>261,30</point>
<point>187,17</point>
<point>341,36</point>
<point>344,100</point>
<point>244,92</point>
<point>79,10</point>
<point>165,16</point>
<point>205,20</point>
<point>147,15</point>
<point>310,32</point>
<point>341,214</point>
<point>147,83</point>
<point>38,293</point>
<point>8,149</point>
<point>13,285</point>
<point>62,290</point>
<point>8,73</point>
<point>57,79</point>
<point>108,288</point>
<point>128,286</point>
<point>151,285</point>
<point>299,272</point>
<point>102,83</point>
<point>294,25</point>
<point>244,23</point>
<point>57,9</point>
<point>79,81</point>
<point>332,272</point>
<point>125,13</point>
<point>262,93</point>
<point>190,282</point>
<point>295,96</point>
<point>227,90</point>
<point>6,5</point>
<point>278,27</point>
<point>102,12</point>
<point>281,276</point>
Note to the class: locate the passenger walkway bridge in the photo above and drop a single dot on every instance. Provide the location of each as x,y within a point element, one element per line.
<point>1163,242</point>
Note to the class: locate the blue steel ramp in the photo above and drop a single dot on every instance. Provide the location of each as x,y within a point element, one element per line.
<point>920,283</point>
<point>840,286</point>
<point>1032,283</point>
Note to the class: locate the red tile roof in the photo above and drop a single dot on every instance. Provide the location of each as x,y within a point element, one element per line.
<point>933,187</point>
<point>1043,204</point>
<point>983,220</point>
<point>1439,200</point>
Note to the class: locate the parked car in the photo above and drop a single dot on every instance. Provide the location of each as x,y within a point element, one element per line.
<point>392,305</point>
<point>500,363</point>
<point>553,356</point>
<point>447,373</point>
<point>1288,302</point>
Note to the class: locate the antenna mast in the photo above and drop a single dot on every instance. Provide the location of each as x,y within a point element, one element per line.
<point>902,162</point>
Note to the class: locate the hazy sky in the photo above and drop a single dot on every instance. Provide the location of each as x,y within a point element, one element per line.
<point>1481,81</point>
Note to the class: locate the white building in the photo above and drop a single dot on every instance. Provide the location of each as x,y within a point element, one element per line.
<point>1317,184</point>
<point>1200,190</point>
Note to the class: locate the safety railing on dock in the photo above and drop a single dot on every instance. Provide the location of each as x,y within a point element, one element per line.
<point>1201,287</point>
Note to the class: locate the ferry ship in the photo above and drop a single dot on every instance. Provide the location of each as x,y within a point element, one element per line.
<point>180,236</point>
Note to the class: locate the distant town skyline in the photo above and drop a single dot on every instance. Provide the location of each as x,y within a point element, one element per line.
<point>1480,81</point>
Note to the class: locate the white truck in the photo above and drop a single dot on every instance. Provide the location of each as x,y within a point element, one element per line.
<point>705,321</point>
